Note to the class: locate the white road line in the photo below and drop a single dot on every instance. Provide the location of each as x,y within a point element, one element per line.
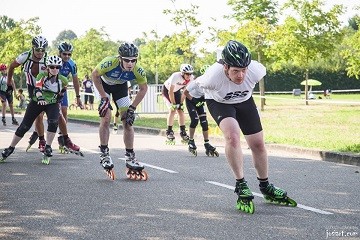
<point>155,167</point>
<point>260,195</point>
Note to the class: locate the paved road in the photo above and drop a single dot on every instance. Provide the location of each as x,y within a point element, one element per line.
<point>185,197</point>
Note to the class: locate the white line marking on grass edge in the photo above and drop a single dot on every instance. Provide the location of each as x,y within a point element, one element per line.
<point>155,167</point>
<point>260,195</point>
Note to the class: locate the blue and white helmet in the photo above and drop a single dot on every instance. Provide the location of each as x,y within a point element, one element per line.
<point>65,47</point>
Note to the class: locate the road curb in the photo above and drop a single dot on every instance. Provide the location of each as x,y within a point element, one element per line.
<point>338,157</point>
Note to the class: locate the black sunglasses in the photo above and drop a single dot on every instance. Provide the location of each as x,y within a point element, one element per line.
<point>39,49</point>
<point>53,67</point>
<point>129,60</point>
<point>66,54</point>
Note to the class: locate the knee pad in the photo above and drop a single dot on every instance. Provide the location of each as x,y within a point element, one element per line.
<point>52,125</point>
<point>21,130</point>
<point>194,122</point>
<point>204,123</point>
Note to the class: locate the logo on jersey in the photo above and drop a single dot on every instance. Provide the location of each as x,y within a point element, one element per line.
<point>106,64</point>
<point>237,94</point>
<point>141,71</point>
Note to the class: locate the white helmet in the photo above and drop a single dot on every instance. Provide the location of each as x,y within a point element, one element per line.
<point>186,68</point>
<point>54,61</point>
<point>39,42</point>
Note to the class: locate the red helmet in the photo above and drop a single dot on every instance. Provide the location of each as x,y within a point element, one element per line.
<point>3,67</point>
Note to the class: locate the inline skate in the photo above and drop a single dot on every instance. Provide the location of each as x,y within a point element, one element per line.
<point>14,122</point>
<point>47,154</point>
<point>61,142</point>
<point>134,170</point>
<point>106,163</point>
<point>277,195</point>
<point>6,153</point>
<point>184,137</point>
<point>210,150</point>
<point>245,197</point>
<point>34,136</point>
<point>42,144</point>
<point>70,147</point>
<point>170,138</point>
<point>3,121</point>
<point>192,147</point>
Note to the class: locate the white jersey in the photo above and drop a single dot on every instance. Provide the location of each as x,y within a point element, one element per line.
<point>177,80</point>
<point>194,90</point>
<point>26,60</point>
<point>218,86</point>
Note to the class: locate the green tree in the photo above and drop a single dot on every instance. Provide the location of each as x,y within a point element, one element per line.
<point>90,49</point>
<point>307,34</point>
<point>351,53</point>
<point>65,35</point>
<point>251,9</point>
<point>16,40</point>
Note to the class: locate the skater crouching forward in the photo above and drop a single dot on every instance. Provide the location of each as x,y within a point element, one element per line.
<point>110,77</point>
<point>228,86</point>
<point>49,89</point>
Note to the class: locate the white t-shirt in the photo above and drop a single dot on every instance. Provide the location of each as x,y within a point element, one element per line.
<point>177,80</point>
<point>194,90</point>
<point>218,86</point>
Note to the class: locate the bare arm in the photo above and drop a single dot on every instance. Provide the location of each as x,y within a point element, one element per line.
<point>76,84</point>
<point>13,65</point>
<point>171,94</point>
<point>186,94</point>
<point>97,82</point>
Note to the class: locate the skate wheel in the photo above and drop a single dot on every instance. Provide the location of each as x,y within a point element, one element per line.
<point>128,173</point>
<point>216,154</point>
<point>292,202</point>
<point>143,175</point>
<point>246,206</point>
<point>111,174</point>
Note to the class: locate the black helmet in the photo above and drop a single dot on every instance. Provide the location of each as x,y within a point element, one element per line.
<point>39,42</point>
<point>128,50</point>
<point>65,47</point>
<point>236,54</point>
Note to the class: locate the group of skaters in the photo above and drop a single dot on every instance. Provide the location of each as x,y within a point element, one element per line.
<point>226,87</point>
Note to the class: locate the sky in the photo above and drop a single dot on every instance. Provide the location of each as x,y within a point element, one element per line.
<point>123,20</point>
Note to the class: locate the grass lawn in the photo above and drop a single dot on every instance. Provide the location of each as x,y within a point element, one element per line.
<point>326,124</point>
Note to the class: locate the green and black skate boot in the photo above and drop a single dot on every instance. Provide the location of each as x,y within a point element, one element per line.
<point>277,195</point>
<point>245,197</point>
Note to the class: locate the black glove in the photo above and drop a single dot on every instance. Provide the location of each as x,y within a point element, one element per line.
<point>9,89</point>
<point>129,115</point>
<point>103,106</point>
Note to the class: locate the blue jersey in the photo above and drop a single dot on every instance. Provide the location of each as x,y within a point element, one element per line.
<point>69,67</point>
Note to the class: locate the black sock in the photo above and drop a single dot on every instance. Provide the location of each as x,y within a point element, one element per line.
<point>263,182</point>
<point>41,138</point>
<point>169,128</point>
<point>240,180</point>
<point>182,128</point>
<point>129,150</point>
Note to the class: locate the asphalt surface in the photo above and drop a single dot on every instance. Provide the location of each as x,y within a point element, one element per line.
<point>185,197</point>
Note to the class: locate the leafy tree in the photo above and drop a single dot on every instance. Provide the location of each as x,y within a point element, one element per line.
<point>309,32</point>
<point>65,35</point>
<point>90,49</point>
<point>16,40</point>
<point>351,53</point>
<point>251,9</point>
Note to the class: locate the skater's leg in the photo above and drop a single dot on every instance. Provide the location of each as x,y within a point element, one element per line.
<point>128,135</point>
<point>259,154</point>
<point>234,155</point>
<point>104,132</point>
<point>39,124</point>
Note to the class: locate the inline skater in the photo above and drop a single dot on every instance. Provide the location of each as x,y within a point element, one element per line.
<point>195,105</point>
<point>173,98</point>
<point>48,90</point>
<point>32,63</point>
<point>68,68</point>
<point>6,95</point>
<point>110,77</point>
<point>228,86</point>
